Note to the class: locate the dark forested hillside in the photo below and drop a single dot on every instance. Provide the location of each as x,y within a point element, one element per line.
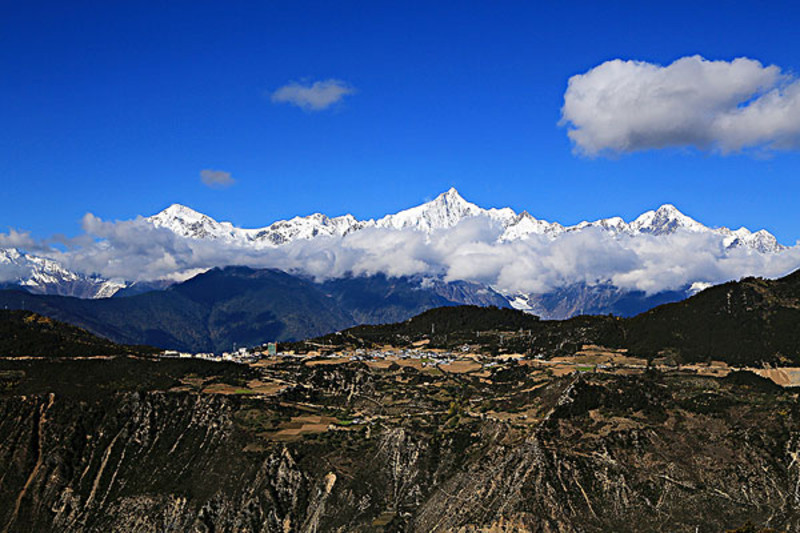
<point>752,321</point>
<point>743,322</point>
<point>749,322</point>
<point>241,306</point>
<point>27,334</point>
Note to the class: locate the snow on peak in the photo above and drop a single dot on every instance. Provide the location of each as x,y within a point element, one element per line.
<point>761,241</point>
<point>46,276</point>
<point>613,225</point>
<point>524,225</point>
<point>664,220</point>
<point>309,227</point>
<point>180,210</point>
<point>187,222</point>
<point>445,211</point>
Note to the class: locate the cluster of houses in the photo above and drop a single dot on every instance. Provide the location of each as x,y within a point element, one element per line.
<point>240,355</point>
<point>418,351</point>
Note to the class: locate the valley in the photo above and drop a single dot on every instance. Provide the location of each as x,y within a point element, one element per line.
<point>460,419</point>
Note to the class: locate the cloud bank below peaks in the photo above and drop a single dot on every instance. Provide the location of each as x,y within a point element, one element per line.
<point>719,106</point>
<point>448,238</point>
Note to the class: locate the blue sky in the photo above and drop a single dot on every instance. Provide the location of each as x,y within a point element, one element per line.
<point>115,108</point>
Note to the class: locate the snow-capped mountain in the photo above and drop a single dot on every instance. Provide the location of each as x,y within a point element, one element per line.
<point>41,275</point>
<point>534,236</point>
<point>316,225</point>
<point>187,222</point>
<point>665,220</point>
<point>445,211</point>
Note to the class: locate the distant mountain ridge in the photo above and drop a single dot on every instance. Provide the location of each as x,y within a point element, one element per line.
<point>230,306</point>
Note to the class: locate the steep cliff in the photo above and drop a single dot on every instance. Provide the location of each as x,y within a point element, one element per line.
<point>352,447</point>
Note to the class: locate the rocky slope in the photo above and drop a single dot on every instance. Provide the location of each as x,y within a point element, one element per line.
<point>157,446</point>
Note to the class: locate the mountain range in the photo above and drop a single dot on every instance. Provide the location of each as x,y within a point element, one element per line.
<point>444,212</point>
<point>564,297</point>
<point>239,306</point>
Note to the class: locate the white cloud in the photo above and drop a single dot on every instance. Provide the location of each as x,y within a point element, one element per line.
<point>136,250</point>
<point>722,106</point>
<point>216,179</point>
<point>315,97</point>
<point>18,239</point>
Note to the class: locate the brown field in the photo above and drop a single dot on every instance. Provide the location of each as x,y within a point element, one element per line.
<point>268,388</point>
<point>562,370</point>
<point>330,361</point>
<point>461,366</point>
<point>255,386</point>
<point>301,425</point>
<point>627,371</point>
<point>225,388</point>
<point>600,358</point>
<point>380,364</point>
<point>604,349</point>
<point>193,381</point>
<point>268,361</point>
<point>411,363</point>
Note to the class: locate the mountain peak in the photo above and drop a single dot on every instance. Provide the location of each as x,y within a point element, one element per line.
<point>444,211</point>
<point>669,209</point>
<point>451,198</point>
<point>452,194</point>
<point>187,222</point>
<point>665,219</point>
<point>178,210</point>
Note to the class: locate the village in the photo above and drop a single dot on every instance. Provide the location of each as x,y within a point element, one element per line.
<point>466,360</point>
